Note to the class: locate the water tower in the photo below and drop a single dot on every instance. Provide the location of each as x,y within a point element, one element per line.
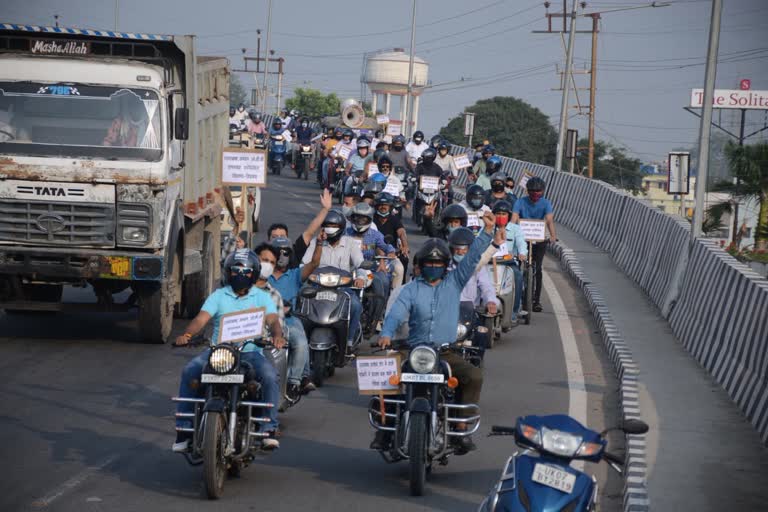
<point>386,74</point>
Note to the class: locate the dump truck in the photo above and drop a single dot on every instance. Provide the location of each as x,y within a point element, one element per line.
<point>110,176</point>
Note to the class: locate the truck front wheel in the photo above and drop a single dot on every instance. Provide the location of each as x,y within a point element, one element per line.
<point>156,306</point>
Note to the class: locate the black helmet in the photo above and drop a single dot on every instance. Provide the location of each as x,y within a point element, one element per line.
<point>433,249</point>
<point>428,156</point>
<point>493,164</point>
<point>536,184</point>
<point>418,136</point>
<point>499,176</point>
<point>338,133</point>
<point>384,198</point>
<point>443,145</point>
<point>475,196</point>
<point>361,217</point>
<point>232,111</point>
<point>281,244</point>
<point>435,141</point>
<point>242,258</point>
<point>378,154</point>
<point>398,139</point>
<point>502,206</point>
<point>334,218</point>
<point>454,211</point>
<point>489,148</point>
<point>348,133</point>
<point>373,187</point>
<point>461,237</point>
<point>383,159</point>
<point>277,123</point>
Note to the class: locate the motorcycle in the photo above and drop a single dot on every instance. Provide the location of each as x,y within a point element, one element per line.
<point>541,477</point>
<point>258,141</point>
<point>430,226</point>
<point>277,150</point>
<point>424,419</point>
<point>304,160</point>
<point>324,309</point>
<point>502,271</point>
<point>472,333</point>
<point>226,423</point>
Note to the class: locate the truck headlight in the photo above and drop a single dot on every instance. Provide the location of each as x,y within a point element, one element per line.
<point>422,359</point>
<point>135,234</point>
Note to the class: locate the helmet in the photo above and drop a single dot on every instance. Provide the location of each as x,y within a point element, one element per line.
<point>378,178</point>
<point>461,237</point>
<point>253,115</point>
<point>337,133</point>
<point>377,154</point>
<point>284,110</point>
<point>433,249</point>
<point>428,156</point>
<point>493,164</point>
<point>475,196</point>
<point>418,136</point>
<point>283,249</point>
<point>497,176</point>
<point>443,145</point>
<point>294,113</point>
<point>489,148</point>
<point>502,206</point>
<point>334,218</point>
<point>435,141</point>
<point>242,258</point>
<point>383,159</point>
<point>535,184</point>
<point>348,133</point>
<point>232,110</point>
<point>277,123</point>
<point>363,142</point>
<point>398,139</point>
<point>374,186</point>
<point>454,211</point>
<point>384,198</point>
<point>361,217</point>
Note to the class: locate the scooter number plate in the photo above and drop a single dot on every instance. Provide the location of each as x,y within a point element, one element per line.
<point>422,378</point>
<point>553,477</point>
<point>329,296</point>
<point>212,378</point>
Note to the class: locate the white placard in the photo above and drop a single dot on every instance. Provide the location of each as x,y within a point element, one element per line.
<point>394,128</point>
<point>344,151</point>
<point>244,167</point>
<point>374,143</point>
<point>373,169</point>
<point>678,168</point>
<point>393,188</point>
<point>524,180</point>
<point>373,373</point>
<point>473,220</point>
<point>429,183</point>
<point>534,230</point>
<point>732,98</point>
<point>242,325</point>
<point>461,161</point>
<point>382,119</point>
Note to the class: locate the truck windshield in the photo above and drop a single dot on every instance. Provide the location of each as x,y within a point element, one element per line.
<point>80,121</point>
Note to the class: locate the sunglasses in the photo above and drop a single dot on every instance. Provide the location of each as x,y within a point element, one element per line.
<point>241,271</point>
<point>385,166</point>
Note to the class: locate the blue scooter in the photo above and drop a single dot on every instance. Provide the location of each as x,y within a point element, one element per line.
<point>541,477</point>
<point>278,147</point>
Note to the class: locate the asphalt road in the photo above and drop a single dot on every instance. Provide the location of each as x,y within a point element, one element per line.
<point>87,421</point>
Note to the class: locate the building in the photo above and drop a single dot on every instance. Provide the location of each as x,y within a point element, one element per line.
<point>655,190</point>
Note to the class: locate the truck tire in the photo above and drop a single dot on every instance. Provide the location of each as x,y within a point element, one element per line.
<point>156,306</point>
<point>198,287</point>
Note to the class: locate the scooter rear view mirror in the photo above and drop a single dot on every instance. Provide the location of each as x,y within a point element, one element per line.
<point>632,426</point>
<point>308,293</point>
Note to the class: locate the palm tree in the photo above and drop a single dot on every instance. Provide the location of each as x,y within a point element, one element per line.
<point>749,165</point>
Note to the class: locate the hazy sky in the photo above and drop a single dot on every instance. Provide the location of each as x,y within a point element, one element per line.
<point>649,59</point>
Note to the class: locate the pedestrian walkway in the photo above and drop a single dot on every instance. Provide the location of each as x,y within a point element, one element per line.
<point>702,453</point>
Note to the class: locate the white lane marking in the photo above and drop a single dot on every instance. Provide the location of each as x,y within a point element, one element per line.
<point>293,195</point>
<point>577,394</point>
<point>308,205</point>
<point>73,482</point>
<point>278,185</point>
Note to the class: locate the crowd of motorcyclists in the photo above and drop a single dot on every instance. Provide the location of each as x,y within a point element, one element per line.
<point>358,254</point>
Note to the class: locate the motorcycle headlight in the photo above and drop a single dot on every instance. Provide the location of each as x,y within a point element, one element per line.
<point>559,443</point>
<point>461,331</point>
<point>222,360</point>
<point>329,280</point>
<point>422,359</point>
<point>305,148</point>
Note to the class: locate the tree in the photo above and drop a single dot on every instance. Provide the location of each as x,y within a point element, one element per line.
<point>612,165</point>
<point>517,129</point>
<point>313,103</point>
<point>237,92</point>
<point>749,164</point>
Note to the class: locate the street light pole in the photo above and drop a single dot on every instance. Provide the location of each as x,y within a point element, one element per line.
<point>266,59</point>
<point>564,102</point>
<point>705,127</point>
<point>409,97</point>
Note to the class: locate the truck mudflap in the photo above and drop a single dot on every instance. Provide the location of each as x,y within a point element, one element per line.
<point>64,264</point>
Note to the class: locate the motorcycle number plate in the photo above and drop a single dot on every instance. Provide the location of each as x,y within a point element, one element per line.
<point>423,378</point>
<point>553,477</point>
<point>329,296</point>
<point>212,378</point>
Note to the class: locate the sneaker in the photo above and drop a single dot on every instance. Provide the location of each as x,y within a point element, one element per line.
<point>293,392</point>
<point>381,440</point>
<point>182,443</point>
<point>537,307</point>
<point>270,443</point>
<point>307,386</point>
<point>466,445</point>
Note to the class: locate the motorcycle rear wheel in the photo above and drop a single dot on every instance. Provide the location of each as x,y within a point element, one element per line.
<point>214,466</point>
<point>417,453</point>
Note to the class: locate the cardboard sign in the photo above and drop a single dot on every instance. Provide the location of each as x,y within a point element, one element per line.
<point>429,183</point>
<point>473,221</point>
<point>393,188</point>
<point>524,180</point>
<point>461,161</point>
<point>373,373</point>
<point>534,230</point>
<point>394,128</point>
<point>242,325</point>
<point>382,119</point>
<point>344,151</point>
<point>244,167</point>
<point>372,169</point>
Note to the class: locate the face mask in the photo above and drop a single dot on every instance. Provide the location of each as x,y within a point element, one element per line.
<point>266,269</point>
<point>475,203</point>
<point>451,229</point>
<point>458,257</point>
<point>397,148</point>
<point>346,210</point>
<point>332,232</point>
<point>283,261</point>
<point>535,195</point>
<point>497,187</point>
<point>508,190</point>
<point>382,214</point>
<point>240,282</point>
<point>432,274</point>
<point>304,125</point>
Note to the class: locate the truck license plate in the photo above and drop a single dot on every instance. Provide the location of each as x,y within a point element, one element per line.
<point>120,266</point>
<point>553,477</point>
<point>423,378</point>
<point>212,378</point>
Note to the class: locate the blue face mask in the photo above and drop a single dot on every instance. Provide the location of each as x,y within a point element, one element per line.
<point>432,274</point>
<point>382,214</point>
<point>451,229</point>
<point>458,257</point>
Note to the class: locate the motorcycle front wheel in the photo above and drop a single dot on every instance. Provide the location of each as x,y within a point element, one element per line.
<point>318,361</point>
<point>417,453</point>
<point>214,465</point>
<point>528,293</point>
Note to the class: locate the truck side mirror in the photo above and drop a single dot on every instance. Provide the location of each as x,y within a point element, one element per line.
<point>181,123</point>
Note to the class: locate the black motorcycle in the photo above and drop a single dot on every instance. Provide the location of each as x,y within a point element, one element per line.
<point>303,162</point>
<point>423,420</point>
<point>226,424</point>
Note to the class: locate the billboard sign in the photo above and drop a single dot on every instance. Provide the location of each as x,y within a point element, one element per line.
<point>732,98</point>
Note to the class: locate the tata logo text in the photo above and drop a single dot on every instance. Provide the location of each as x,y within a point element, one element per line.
<point>50,191</point>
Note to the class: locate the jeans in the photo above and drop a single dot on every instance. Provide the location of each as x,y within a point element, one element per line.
<point>265,373</point>
<point>298,355</point>
<point>518,290</point>
<point>355,312</point>
<point>326,182</point>
<point>539,249</point>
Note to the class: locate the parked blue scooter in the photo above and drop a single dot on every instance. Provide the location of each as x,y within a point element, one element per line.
<point>541,477</point>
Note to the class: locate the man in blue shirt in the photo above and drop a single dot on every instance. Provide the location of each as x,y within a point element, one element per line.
<point>536,206</point>
<point>241,270</point>
<point>430,304</point>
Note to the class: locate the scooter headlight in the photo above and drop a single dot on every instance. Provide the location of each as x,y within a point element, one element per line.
<point>329,280</point>
<point>559,443</point>
<point>461,331</point>
<point>222,360</point>
<point>422,359</point>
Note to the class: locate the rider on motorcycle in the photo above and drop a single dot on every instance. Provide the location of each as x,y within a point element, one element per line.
<point>330,144</point>
<point>241,270</point>
<point>479,169</point>
<point>427,167</point>
<point>393,182</point>
<point>399,155</point>
<point>536,206</point>
<point>454,216</point>
<point>234,120</point>
<point>417,146</point>
<point>391,227</point>
<point>372,244</point>
<point>357,163</point>
<point>342,252</point>
<point>430,305</point>
<point>241,114</point>
<point>300,245</point>
<point>444,160</point>
<point>499,190</point>
<point>255,124</point>
<point>373,187</point>
<point>474,206</point>
<point>303,138</point>
<point>516,246</point>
